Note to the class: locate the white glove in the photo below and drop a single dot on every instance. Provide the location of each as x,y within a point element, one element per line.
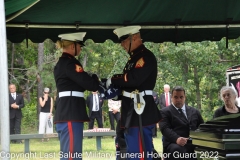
<point>115,98</point>
<point>108,82</point>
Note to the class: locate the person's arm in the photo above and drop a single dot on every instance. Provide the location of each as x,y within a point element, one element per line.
<point>166,127</point>
<point>136,75</point>
<point>76,73</point>
<point>10,104</point>
<point>42,102</point>
<point>20,103</point>
<point>56,102</point>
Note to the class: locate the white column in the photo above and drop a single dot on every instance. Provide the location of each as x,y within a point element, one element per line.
<point>4,99</point>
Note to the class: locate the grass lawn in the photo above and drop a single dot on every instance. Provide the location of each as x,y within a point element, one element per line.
<point>50,150</point>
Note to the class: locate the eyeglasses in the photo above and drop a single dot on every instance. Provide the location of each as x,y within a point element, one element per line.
<point>46,92</point>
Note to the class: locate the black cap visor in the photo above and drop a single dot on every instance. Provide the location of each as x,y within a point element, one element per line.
<point>122,38</point>
<point>81,43</point>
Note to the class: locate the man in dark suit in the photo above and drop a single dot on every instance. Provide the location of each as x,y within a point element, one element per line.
<point>94,103</point>
<point>165,98</point>
<point>178,120</point>
<point>16,103</point>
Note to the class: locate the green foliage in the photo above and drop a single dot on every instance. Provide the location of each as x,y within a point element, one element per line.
<point>29,121</point>
<point>103,59</point>
<point>22,59</point>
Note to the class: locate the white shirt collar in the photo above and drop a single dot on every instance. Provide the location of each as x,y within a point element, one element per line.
<point>183,107</point>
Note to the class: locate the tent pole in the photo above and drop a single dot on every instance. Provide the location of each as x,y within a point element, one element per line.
<point>177,21</point>
<point>176,34</point>
<point>117,26</point>
<point>26,34</point>
<point>227,28</point>
<point>4,96</point>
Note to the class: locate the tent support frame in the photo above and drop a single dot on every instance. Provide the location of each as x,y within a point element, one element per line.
<point>117,26</point>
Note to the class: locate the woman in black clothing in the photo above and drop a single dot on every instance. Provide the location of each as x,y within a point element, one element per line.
<point>46,103</point>
<point>228,96</point>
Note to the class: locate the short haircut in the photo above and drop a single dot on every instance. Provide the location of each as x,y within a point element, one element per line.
<point>178,88</point>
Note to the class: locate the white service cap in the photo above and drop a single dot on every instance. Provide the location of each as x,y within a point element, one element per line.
<point>124,32</point>
<point>75,37</point>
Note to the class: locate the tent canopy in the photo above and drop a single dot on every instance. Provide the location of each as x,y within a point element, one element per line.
<point>161,20</point>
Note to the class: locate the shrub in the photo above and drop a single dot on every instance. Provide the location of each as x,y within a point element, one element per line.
<point>29,120</point>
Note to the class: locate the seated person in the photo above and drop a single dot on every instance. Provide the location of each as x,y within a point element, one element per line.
<point>178,120</point>
<point>228,96</point>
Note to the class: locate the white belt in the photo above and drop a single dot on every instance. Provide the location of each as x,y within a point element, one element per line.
<point>70,93</point>
<point>143,93</point>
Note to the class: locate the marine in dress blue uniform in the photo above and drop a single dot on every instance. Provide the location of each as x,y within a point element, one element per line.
<point>140,74</point>
<point>71,81</point>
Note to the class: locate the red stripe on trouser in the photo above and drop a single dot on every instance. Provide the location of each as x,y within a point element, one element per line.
<point>70,139</point>
<point>140,147</point>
